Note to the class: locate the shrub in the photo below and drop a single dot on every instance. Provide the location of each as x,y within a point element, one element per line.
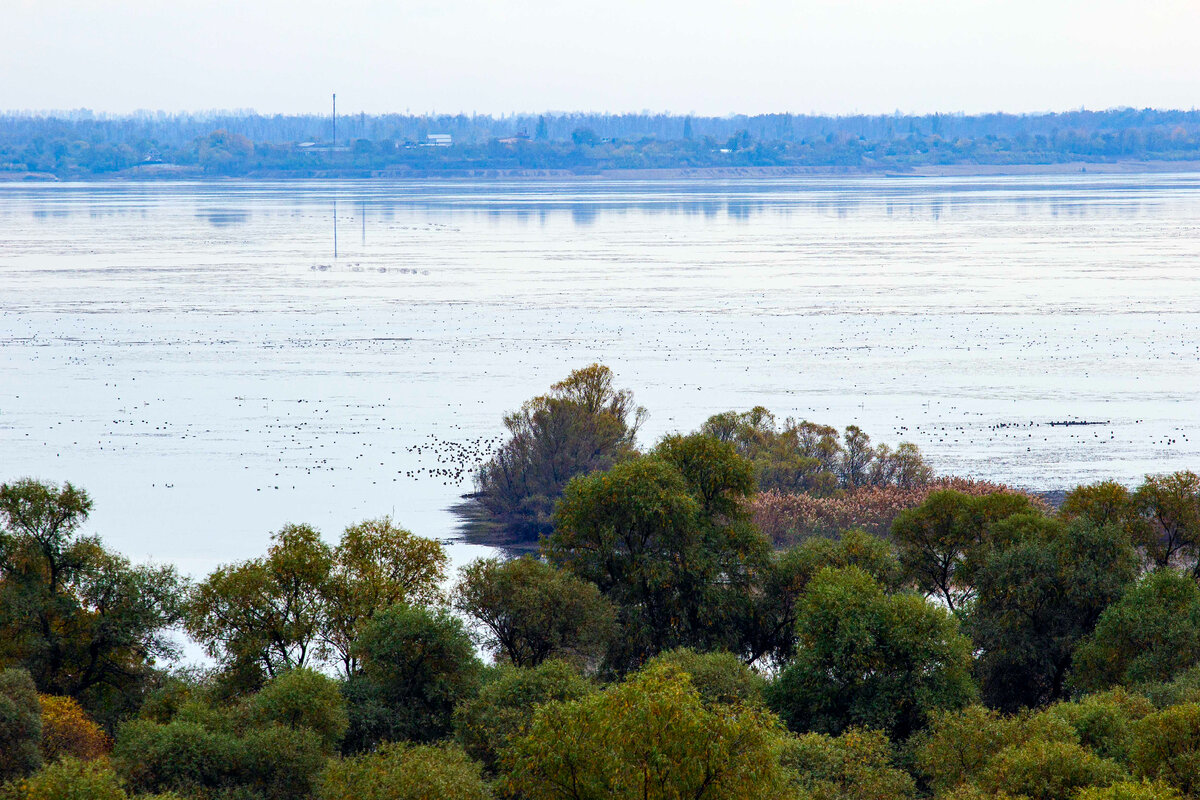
<point>720,678</point>
<point>1184,688</point>
<point>20,725</point>
<point>67,730</point>
<point>1166,747</point>
<point>854,766</point>
<point>789,518</point>
<point>650,738</point>
<point>281,763</point>
<point>957,746</point>
<point>1104,722</point>
<point>404,772</point>
<point>1042,770</point>
<point>1130,790</point>
<point>179,756</point>
<point>71,779</point>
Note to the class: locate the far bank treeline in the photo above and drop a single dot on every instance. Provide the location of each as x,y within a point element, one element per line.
<point>974,643</point>
<point>82,144</point>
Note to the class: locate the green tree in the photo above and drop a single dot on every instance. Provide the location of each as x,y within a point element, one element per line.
<point>1151,633</point>
<point>262,617</point>
<point>769,627</point>
<point>82,620</point>
<point>802,457</point>
<point>531,611</point>
<point>866,658</point>
<point>939,541</point>
<point>1038,598</point>
<point>717,477</point>
<point>505,705</point>
<point>417,664</point>
<point>376,565</point>
<point>405,772</point>
<point>649,738</point>
<point>641,533</point>
<point>1103,721</point>
<point>858,765</point>
<point>811,458</point>
<point>1171,505</point>
<point>584,424</point>
<point>20,725</point>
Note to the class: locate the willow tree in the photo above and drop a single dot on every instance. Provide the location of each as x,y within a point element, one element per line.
<point>583,424</point>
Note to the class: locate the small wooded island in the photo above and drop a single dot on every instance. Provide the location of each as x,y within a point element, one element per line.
<point>756,609</point>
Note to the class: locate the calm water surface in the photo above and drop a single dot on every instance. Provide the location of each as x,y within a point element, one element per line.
<point>213,360</point>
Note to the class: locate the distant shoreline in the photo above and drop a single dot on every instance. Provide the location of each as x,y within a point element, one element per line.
<point>163,173</point>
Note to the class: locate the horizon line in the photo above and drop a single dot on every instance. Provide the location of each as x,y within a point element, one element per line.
<point>53,113</point>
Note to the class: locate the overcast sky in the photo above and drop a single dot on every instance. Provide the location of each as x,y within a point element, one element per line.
<point>699,56</point>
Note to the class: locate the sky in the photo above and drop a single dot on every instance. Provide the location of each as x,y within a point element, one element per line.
<point>501,56</point>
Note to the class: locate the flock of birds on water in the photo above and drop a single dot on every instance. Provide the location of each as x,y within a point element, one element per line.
<point>291,444</point>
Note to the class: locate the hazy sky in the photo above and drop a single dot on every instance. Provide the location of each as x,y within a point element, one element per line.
<point>705,57</point>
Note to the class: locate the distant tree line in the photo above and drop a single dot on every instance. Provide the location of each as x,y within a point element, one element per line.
<point>83,143</point>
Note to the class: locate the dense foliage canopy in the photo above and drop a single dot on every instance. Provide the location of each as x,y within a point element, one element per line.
<point>659,646</point>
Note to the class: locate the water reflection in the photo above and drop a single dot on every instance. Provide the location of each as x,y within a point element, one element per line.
<point>225,217</point>
<point>587,203</point>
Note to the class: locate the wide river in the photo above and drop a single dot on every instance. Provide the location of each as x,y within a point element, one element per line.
<point>213,360</point>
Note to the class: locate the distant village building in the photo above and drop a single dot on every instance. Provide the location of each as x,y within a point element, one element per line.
<point>521,136</point>
<point>438,140</point>
<point>319,147</point>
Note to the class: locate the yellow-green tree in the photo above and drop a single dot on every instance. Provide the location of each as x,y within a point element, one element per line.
<point>405,772</point>
<point>650,738</point>
<point>858,765</point>
<point>67,730</point>
<point>375,566</point>
<point>262,617</point>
